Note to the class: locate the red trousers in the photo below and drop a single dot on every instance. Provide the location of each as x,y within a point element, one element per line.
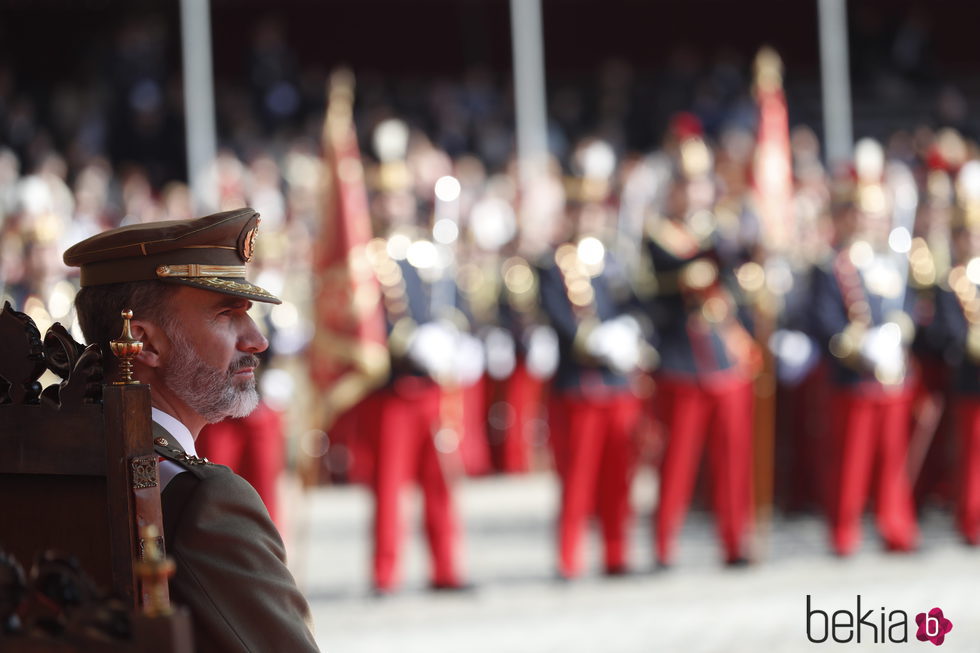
<point>871,431</point>
<point>802,436</point>
<point>593,447</point>
<point>350,457</point>
<point>523,394</point>
<point>403,422</point>
<point>252,446</point>
<point>722,415</point>
<point>968,505</point>
<point>474,444</point>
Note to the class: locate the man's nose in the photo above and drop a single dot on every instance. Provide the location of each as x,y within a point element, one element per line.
<point>251,339</point>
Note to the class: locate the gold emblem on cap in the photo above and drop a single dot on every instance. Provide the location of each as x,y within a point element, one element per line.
<point>248,247</point>
<point>162,442</point>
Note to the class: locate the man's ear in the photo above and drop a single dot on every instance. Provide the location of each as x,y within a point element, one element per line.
<point>155,342</point>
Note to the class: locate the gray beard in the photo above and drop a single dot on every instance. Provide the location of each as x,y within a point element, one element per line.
<point>213,394</point>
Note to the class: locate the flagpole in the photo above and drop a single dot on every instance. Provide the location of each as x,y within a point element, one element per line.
<point>529,90</point>
<point>836,83</point>
<point>195,27</point>
<point>773,181</point>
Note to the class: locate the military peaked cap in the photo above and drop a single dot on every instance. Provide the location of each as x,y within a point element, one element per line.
<point>209,253</point>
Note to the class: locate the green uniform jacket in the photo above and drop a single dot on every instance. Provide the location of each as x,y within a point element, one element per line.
<point>231,562</point>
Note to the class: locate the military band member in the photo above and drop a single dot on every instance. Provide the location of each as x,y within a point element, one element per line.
<point>958,325</point>
<point>931,438</point>
<point>535,361</point>
<point>707,359</point>
<point>414,423</point>
<point>405,422</point>
<point>593,409</point>
<point>185,282</point>
<point>860,314</point>
<point>499,292</point>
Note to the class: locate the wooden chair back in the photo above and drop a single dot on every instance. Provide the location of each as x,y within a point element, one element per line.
<point>78,473</point>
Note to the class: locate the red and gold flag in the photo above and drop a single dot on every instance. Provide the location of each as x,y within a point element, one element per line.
<point>349,355</point>
<point>773,169</point>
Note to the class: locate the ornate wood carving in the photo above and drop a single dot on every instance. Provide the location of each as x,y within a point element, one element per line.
<point>24,357</point>
<point>21,357</point>
<point>58,599</point>
<point>57,607</point>
<point>61,352</point>
<point>143,471</point>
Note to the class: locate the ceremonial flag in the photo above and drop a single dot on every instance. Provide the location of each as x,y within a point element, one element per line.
<point>349,355</point>
<point>773,167</point>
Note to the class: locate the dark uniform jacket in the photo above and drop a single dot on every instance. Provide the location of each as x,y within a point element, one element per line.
<point>829,317</point>
<point>231,562</point>
<point>951,328</point>
<point>576,371</point>
<point>694,313</point>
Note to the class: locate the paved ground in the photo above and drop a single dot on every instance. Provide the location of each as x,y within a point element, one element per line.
<point>697,606</point>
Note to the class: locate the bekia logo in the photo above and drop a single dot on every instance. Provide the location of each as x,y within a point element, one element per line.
<point>876,626</point>
<point>932,626</point>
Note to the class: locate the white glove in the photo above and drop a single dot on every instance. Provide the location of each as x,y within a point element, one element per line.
<point>542,352</point>
<point>881,349</point>
<point>795,355</point>
<point>469,359</point>
<point>431,347</point>
<point>501,357</point>
<point>616,342</point>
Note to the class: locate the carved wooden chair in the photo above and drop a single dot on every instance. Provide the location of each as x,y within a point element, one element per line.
<point>78,474</point>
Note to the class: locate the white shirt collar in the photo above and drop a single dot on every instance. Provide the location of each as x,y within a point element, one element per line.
<point>176,429</point>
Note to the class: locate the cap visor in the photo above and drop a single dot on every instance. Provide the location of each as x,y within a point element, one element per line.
<point>234,287</point>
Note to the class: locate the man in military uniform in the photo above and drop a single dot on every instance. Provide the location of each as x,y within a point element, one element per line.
<point>415,421</point>
<point>957,324</point>
<point>185,282</point>
<point>860,314</point>
<point>704,392</point>
<point>594,412</point>
<point>413,434</point>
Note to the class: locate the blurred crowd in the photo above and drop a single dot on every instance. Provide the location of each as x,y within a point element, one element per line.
<point>627,308</point>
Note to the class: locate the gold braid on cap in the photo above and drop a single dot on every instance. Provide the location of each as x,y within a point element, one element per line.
<point>195,270</point>
<point>227,285</point>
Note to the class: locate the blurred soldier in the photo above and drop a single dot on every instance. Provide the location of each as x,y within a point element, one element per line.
<point>860,315</point>
<point>541,207</point>
<point>490,223</point>
<point>584,294</point>
<point>404,418</point>
<point>521,349</point>
<point>930,440</point>
<point>439,199</point>
<point>535,361</point>
<point>958,323</point>
<point>704,387</point>
<point>802,394</point>
<point>473,238</point>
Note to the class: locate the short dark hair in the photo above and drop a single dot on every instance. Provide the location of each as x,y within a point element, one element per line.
<point>99,307</point>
